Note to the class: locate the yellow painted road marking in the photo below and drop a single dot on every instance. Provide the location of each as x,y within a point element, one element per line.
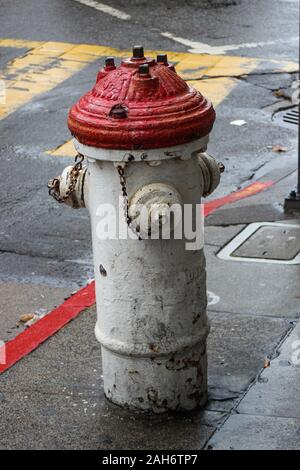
<point>42,68</point>
<point>65,150</point>
<point>215,90</point>
<point>47,64</point>
<point>232,66</point>
<point>195,67</point>
<point>19,43</point>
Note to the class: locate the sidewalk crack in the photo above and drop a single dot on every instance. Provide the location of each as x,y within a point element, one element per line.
<point>275,352</point>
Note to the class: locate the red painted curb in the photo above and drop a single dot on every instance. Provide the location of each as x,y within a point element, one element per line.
<point>40,331</point>
<point>47,326</point>
<point>250,190</point>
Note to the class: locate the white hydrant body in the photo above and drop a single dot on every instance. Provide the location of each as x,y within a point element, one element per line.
<point>151,293</point>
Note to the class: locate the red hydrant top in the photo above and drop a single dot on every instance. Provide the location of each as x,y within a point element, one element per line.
<point>141,104</point>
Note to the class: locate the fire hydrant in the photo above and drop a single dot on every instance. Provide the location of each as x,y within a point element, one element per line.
<point>144,132</point>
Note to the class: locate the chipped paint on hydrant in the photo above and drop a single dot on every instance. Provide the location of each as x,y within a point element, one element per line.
<point>144,132</point>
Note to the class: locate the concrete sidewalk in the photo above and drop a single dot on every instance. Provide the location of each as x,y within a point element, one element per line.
<point>53,399</point>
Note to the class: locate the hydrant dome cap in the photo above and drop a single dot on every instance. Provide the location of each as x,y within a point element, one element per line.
<point>141,104</point>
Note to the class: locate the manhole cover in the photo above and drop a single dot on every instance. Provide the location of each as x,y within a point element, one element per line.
<point>265,242</point>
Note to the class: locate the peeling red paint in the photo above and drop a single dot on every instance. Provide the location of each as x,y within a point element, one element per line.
<point>160,108</point>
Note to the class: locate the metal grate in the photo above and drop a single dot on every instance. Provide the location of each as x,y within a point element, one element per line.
<point>292,117</point>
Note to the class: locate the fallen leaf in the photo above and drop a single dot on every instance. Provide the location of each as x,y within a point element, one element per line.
<point>278,148</point>
<point>267,363</point>
<point>282,94</point>
<point>279,93</point>
<point>26,317</point>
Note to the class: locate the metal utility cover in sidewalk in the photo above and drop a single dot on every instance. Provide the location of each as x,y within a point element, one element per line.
<point>265,242</point>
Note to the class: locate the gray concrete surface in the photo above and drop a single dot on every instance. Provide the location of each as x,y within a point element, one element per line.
<point>53,398</point>
<point>242,432</point>
<point>19,299</point>
<point>235,356</point>
<point>281,381</point>
<point>245,288</point>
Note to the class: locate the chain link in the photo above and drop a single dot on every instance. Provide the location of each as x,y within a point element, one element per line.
<point>121,172</point>
<point>53,185</point>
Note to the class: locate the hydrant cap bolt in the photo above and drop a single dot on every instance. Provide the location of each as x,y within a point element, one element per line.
<point>109,62</point>
<point>144,69</point>
<point>138,52</point>
<point>155,108</point>
<point>162,59</point>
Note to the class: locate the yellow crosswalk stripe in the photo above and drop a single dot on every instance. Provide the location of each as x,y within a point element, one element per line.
<point>42,68</point>
<point>215,90</point>
<point>19,43</point>
<point>47,64</point>
<point>65,150</point>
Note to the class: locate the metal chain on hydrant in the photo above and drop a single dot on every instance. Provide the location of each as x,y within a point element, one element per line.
<point>53,184</point>
<point>121,172</point>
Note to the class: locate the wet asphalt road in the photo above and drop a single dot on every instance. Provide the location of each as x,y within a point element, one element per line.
<point>215,22</point>
<point>43,242</point>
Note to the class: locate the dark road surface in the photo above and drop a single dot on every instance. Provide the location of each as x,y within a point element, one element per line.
<point>213,22</point>
<point>46,243</point>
